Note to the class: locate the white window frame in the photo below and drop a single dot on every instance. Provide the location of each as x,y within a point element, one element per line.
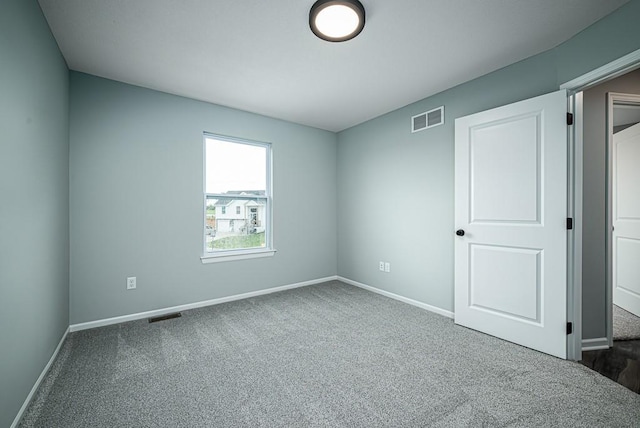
<point>242,253</point>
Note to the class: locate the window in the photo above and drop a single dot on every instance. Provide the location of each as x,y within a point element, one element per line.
<point>237,174</point>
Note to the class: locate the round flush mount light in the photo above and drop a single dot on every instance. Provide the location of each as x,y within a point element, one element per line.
<point>336,21</point>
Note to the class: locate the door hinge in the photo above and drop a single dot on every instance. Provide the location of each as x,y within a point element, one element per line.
<point>569,223</point>
<point>569,118</point>
<point>569,327</point>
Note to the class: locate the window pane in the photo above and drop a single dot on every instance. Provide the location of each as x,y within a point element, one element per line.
<point>235,168</point>
<point>233,224</point>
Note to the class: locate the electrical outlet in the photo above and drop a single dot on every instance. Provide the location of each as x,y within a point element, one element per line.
<point>387,267</point>
<point>381,267</point>
<point>131,283</point>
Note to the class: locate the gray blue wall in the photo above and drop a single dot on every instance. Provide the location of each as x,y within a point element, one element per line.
<point>395,189</point>
<point>405,184</point>
<point>136,200</point>
<point>34,200</point>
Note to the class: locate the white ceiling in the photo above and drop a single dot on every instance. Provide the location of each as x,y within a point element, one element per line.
<point>261,56</point>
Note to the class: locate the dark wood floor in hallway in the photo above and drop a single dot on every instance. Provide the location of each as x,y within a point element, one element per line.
<point>620,363</point>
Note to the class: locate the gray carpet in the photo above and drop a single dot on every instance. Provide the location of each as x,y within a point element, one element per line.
<point>626,326</point>
<point>328,355</point>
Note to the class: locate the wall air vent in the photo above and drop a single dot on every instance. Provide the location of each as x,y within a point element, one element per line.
<point>427,119</point>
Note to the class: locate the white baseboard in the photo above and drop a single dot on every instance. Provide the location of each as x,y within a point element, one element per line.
<point>202,304</point>
<point>403,299</point>
<point>595,344</point>
<point>27,401</point>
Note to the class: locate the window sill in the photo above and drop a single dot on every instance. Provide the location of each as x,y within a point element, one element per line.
<point>230,256</point>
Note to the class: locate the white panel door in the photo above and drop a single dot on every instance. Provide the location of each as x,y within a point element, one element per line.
<point>511,211</point>
<point>626,219</point>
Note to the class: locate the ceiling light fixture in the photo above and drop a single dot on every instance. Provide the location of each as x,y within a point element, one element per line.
<point>336,21</point>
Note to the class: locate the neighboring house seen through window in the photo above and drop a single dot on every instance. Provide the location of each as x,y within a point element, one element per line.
<point>238,177</point>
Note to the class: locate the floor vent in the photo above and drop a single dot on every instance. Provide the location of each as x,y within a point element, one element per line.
<point>428,119</point>
<point>165,317</point>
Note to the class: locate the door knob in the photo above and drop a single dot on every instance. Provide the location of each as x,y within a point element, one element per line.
<point>460,232</point>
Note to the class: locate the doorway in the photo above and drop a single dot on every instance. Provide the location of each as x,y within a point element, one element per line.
<point>587,301</point>
<point>601,121</point>
<point>607,109</point>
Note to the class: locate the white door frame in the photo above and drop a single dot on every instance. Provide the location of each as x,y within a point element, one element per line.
<point>574,87</point>
<point>574,237</point>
